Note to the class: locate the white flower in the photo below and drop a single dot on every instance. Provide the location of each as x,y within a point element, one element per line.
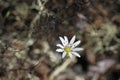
<point>69,48</point>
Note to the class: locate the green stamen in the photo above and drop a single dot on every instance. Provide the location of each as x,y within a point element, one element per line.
<point>67,49</point>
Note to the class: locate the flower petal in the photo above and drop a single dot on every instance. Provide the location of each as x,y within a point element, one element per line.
<point>72,40</point>
<point>66,40</point>
<point>76,54</point>
<point>76,44</point>
<point>64,54</point>
<point>59,45</point>
<point>77,49</point>
<point>62,40</point>
<point>70,55</point>
<point>59,50</point>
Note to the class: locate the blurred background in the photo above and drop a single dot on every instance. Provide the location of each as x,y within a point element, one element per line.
<point>30,30</point>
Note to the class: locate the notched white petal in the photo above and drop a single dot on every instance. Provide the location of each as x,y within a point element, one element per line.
<point>59,45</point>
<point>70,55</point>
<point>64,54</point>
<point>76,54</point>
<point>59,50</point>
<point>77,49</point>
<point>72,40</point>
<point>76,44</point>
<point>66,40</point>
<point>62,40</point>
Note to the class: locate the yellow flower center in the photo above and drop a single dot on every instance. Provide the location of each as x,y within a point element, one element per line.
<point>67,49</point>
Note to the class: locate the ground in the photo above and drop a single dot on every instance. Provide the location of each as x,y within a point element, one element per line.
<point>30,30</point>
